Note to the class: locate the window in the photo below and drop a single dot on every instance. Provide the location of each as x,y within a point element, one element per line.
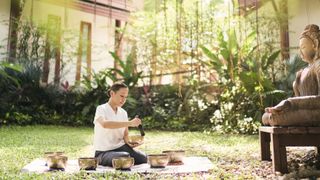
<point>52,48</point>
<point>84,54</point>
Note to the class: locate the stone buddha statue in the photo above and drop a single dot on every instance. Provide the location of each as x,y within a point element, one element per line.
<point>304,109</point>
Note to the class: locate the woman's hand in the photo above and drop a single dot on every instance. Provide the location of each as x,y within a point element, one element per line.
<point>126,139</point>
<point>133,145</point>
<point>135,122</point>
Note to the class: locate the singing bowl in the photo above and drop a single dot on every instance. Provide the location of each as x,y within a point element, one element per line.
<point>88,163</point>
<point>135,139</point>
<point>57,161</point>
<point>122,163</point>
<point>175,155</point>
<point>46,154</point>
<point>158,160</point>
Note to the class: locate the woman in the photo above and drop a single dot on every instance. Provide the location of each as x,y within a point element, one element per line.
<point>111,129</point>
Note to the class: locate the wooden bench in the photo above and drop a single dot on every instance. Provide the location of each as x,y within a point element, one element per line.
<point>280,138</point>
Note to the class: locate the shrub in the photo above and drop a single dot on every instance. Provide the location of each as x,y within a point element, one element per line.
<point>161,107</point>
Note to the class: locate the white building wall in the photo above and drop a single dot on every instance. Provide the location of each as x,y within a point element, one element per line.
<point>4,27</point>
<point>102,36</point>
<point>301,13</point>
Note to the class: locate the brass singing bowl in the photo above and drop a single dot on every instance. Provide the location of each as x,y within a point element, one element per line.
<point>122,163</point>
<point>46,154</point>
<point>88,163</point>
<point>175,155</point>
<point>135,139</point>
<point>158,160</point>
<point>57,161</point>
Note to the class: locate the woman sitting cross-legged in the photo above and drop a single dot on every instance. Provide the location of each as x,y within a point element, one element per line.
<point>111,129</point>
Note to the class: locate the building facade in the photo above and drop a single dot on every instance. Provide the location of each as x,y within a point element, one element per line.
<point>294,16</point>
<point>4,28</point>
<point>80,34</point>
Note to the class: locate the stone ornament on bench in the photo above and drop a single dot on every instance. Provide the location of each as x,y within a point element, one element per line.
<point>293,119</point>
<point>303,110</point>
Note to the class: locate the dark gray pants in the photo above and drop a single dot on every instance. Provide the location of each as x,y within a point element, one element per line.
<point>105,157</point>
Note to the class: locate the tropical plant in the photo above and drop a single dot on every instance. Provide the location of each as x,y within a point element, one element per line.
<point>236,61</point>
<point>126,72</point>
<point>293,65</point>
<point>98,81</point>
<point>30,45</point>
<point>95,93</point>
<point>19,100</point>
<point>243,77</point>
<point>227,57</point>
<point>5,76</point>
<point>8,82</point>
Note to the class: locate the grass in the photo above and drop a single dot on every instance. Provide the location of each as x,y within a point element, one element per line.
<point>233,156</point>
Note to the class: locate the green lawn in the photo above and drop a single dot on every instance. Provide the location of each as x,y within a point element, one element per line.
<point>233,156</point>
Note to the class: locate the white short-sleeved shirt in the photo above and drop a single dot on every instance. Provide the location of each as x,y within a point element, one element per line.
<point>108,139</point>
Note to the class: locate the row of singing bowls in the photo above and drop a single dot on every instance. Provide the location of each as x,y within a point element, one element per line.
<point>58,160</point>
<point>154,160</point>
<point>122,163</point>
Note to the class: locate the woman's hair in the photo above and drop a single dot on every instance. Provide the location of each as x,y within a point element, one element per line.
<point>116,87</point>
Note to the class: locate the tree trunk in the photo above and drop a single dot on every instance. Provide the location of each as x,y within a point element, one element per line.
<point>284,30</point>
<point>15,14</point>
<point>46,64</point>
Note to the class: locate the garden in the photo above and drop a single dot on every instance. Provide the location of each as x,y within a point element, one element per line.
<point>225,68</point>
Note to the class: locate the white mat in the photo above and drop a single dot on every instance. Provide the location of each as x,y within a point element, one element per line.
<point>191,165</point>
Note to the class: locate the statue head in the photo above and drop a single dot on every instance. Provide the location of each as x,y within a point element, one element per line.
<point>309,43</point>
